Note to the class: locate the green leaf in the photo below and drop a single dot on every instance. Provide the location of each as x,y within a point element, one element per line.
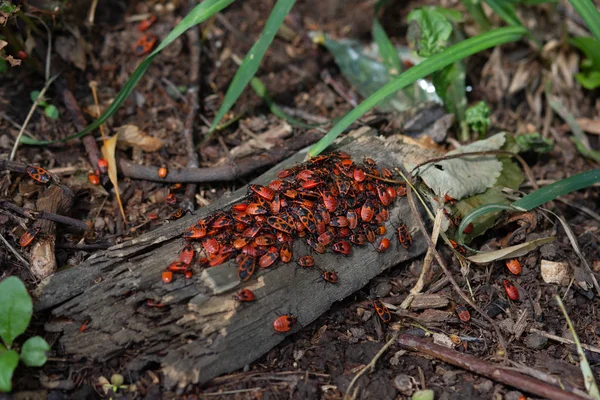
<point>478,118</point>
<point>591,49</point>
<point>8,362</point>
<point>33,352</point>
<point>535,199</point>
<point>386,49</point>
<point>450,55</point>
<point>2,348</point>
<point>476,12</point>
<point>7,7</point>
<point>590,80</point>
<point>16,308</point>
<point>534,142</point>
<point>3,66</point>
<point>34,95</point>
<point>428,31</point>
<point>505,10</point>
<point>200,13</point>
<point>252,60</point>
<point>589,13</point>
<point>51,112</point>
<point>449,84</point>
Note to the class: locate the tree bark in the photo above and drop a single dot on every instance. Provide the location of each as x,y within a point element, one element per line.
<point>201,332</point>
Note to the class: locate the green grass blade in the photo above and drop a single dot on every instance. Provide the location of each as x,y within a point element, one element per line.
<point>252,60</point>
<point>557,189</point>
<point>436,62</point>
<point>388,52</point>
<point>261,91</point>
<point>505,10</point>
<point>590,15</point>
<point>476,12</point>
<point>200,13</point>
<point>584,365</point>
<point>535,199</point>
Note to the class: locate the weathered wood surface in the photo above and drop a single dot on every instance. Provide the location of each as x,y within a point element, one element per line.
<point>202,332</point>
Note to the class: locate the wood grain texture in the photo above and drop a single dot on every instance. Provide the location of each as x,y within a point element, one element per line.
<point>202,332</point>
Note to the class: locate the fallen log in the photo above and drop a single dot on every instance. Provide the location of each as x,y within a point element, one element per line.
<point>201,332</point>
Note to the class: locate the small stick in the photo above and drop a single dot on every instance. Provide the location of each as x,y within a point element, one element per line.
<point>371,364</point>
<point>228,172</point>
<point>61,219</point>
<point>15,252</point>
<point>487,369</point>
<point>442,263</point>
<point>195,46</point>
<point>550,336</point>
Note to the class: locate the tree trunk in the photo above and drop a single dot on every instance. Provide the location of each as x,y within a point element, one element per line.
<point>201,332</point>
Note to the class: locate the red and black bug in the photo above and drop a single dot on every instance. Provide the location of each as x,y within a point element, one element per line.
<point>263,191</point>
<point>29,236</point>
<point>103,165</point>
<point>280,224</point>
<point>211,245</point>
<point>167,276</point>
<point>187,254</point>
<point>246,267</point>
<point>171,199</point>
<point>269,258</point>
<point>178,266</point>
<point>244,295</point>
<point>511,290</point>
<point>330,276</point>
<point>147,23</point>
<point>462,312</point>
<point>284,323</point>
<point>93,178</point>
<point>339,221</point>
<point>367,211</point>
<point>306,261</point>
<point>285,253</point>
<point>404,236</point>
<point>384,244</point>
<point>514,266</point>
<point>382,311</point>
<point>315,245</point>
<point>342,247</point>
<point>145,44</point>
<point>38,174</point>
<point>326,237</point>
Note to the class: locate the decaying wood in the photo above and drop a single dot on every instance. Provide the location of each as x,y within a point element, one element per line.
<point>201,331</point>
<point>55,199</point>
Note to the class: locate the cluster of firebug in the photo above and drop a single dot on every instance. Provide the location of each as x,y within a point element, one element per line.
<point>330,202</point>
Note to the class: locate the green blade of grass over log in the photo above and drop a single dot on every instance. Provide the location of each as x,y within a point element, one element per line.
<point>252,60</point>
<point>200,13</point>
<point>535,199</point>
<point>452,54</point>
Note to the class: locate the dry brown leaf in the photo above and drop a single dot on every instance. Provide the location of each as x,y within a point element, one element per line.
<point>589,125</point>
<point>131,136</point>
<point>71,50</point>
<point>108,151</point>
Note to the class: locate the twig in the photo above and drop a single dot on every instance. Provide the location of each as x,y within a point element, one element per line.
<point>228,172</point>
<point>61,219</point>
<point>29,115</point>
<point>563,340</point>
<point>15,124</point>
<point>442,263</point>
<point>92,13</point>
<point>487,369</point>
<point>15,252</point>
<point>195,45</point>
<point>426,262</point>
<point>89,142</point>
<point>371,364</point>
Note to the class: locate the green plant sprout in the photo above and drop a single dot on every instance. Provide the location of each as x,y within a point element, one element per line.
<point>16,308</point>
<point>477,118</point>
<point>49,109</point>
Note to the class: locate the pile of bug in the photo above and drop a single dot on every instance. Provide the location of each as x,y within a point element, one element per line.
<point>330,202</point>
